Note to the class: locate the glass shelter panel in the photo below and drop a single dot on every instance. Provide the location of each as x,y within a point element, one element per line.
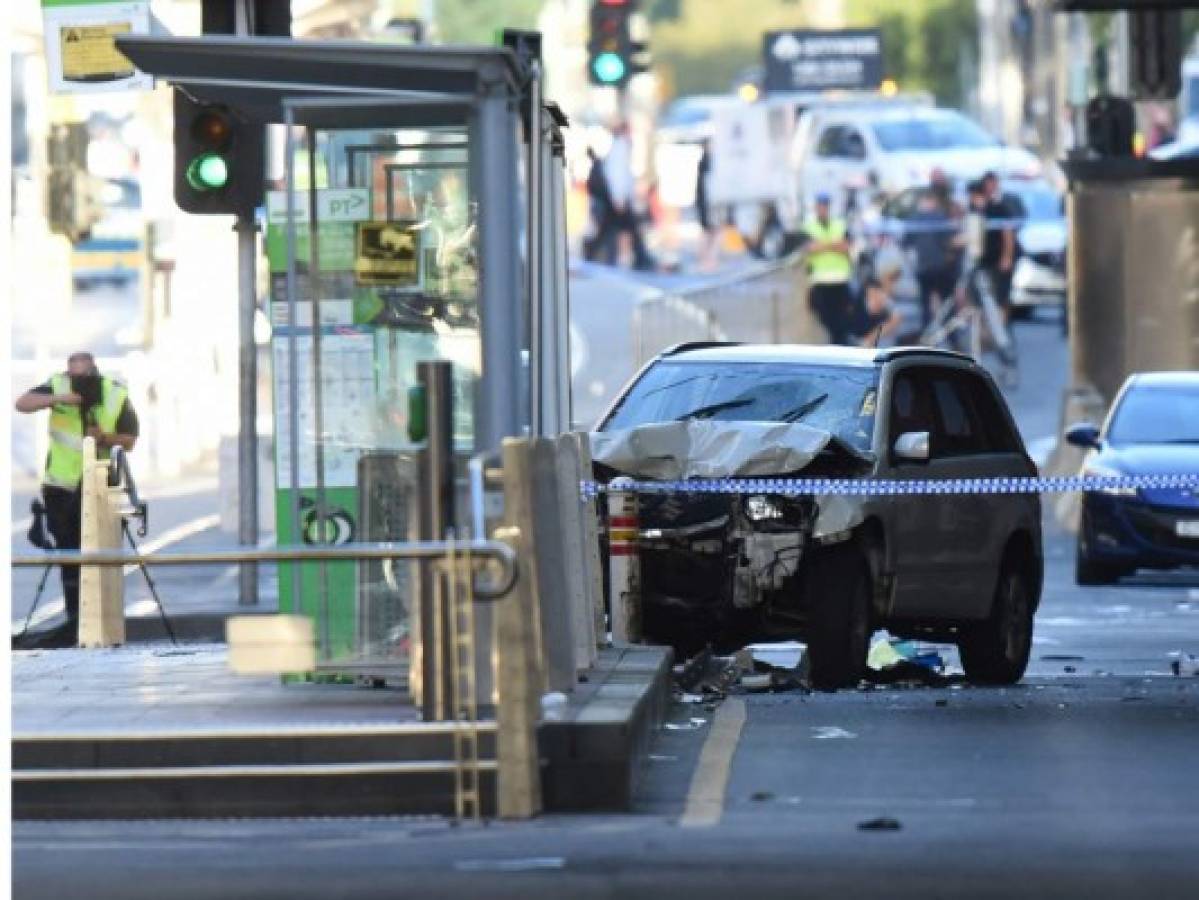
<point>391,281</point>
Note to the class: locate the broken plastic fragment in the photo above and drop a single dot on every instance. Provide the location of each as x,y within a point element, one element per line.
<point>882,823</point>
<point>831,733</point>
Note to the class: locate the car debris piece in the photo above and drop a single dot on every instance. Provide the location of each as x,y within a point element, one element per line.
<point>553,706</point>
<point>757,682</point>
<point>881,823</point>
<point>1184,664</point>
<point>831,733</point>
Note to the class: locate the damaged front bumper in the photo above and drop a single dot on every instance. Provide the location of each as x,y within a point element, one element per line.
<point>721,568</point>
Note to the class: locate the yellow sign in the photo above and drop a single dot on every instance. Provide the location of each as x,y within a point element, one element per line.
<point>90,54</point>
<point>387,253</point>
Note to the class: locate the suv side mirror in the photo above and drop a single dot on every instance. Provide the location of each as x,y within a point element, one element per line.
<point>1083,435</point>
<point>912,446</point>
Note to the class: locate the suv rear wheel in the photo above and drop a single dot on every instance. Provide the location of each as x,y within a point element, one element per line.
<point>996,650</point>
<point>839,588</point>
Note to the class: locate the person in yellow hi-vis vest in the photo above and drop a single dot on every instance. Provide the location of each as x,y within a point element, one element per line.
<point>82,403</point>
<point>829,271</point>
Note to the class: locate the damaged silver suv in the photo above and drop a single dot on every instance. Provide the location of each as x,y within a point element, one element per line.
<point>725,569</point>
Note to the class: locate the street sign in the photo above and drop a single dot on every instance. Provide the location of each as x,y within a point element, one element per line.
<point>387,253</point>
<point>332,205</point>
<point>804,60</point>
<point>81,54</point>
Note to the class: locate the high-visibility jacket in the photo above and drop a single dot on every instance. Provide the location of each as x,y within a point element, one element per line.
<point>64,465</point>
<point>828,266</point>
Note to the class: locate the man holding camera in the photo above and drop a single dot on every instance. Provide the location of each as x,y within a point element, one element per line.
<point>82,403</point>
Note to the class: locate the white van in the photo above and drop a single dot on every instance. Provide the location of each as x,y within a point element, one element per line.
<point>755,176</point>
<point>895,148</point>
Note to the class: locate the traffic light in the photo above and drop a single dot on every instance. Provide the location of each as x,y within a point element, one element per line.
<point>72,194</point>
<point>220,160</point>
<point>617,49</point>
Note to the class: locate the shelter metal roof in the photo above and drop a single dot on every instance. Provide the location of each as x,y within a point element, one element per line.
<point>342,84</point>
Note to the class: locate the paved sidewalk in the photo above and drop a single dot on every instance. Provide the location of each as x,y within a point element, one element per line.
<point>158,686</point>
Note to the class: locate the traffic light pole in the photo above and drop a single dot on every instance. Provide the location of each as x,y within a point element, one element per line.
<point>247,378</point>
<point>247,405</point>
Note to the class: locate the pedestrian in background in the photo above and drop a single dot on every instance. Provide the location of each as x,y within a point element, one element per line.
<point>599,203</point>
<point>82,403</point>
<point>707,228</point>
<point>999,245</point>
<point>930,235</point>
<point>618,172</point>
<point>876,321</point>
<point>829,271</point>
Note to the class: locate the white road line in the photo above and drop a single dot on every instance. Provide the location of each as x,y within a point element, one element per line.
<point>705,797</point>
<point>47,611</point>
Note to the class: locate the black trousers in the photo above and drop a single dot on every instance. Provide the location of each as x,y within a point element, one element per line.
<point>833,305</point>
<point>612,226</point>
<point>64,512</point>
<point>941,282</point>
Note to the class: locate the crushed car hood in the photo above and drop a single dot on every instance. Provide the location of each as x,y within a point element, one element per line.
<point>677,451</point>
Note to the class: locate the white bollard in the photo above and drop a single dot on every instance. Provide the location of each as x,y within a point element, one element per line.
<point>624,591</point>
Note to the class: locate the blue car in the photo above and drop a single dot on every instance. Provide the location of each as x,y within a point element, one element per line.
<point>1152,429</point>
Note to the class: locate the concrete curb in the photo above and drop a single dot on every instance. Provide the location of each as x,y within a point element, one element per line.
<point>593,757</point>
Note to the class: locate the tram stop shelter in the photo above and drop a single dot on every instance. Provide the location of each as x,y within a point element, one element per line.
<point>421,218</point>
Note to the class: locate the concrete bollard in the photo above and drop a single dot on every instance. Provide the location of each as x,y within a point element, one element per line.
<point>101,588</point>
<point>624,592</point>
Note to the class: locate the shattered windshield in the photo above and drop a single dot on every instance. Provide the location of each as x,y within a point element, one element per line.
<point>840,400</point>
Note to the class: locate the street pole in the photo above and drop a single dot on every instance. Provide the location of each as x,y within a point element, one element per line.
<point>247,405</point>
<point>247,386</point>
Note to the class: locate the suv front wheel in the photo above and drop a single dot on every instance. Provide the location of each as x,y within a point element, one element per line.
<point>839,590</point>
<point>996,650</point>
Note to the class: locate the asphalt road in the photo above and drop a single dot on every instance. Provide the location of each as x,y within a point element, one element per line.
<point>1080,782</point>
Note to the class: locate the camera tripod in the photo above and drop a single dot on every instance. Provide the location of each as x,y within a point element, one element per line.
<point>166,622</point>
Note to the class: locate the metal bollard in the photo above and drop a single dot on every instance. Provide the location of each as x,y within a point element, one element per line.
<point>624,568</point>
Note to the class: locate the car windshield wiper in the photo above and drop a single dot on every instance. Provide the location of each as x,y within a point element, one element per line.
<point>800,411</point>
<point>706,412</point>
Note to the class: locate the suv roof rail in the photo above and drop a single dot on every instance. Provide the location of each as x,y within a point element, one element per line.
<point>697,345</point>
<point>897,352</point>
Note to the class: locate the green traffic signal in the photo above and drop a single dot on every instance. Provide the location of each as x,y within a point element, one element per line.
<point>609,68</point>
<point>208,172</point>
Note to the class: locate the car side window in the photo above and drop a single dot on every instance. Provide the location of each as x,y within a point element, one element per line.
<point>910,407</point>
<point>959,431</point>
<point>997,432</point>
<point>830,141</point>
<point>852,145</point>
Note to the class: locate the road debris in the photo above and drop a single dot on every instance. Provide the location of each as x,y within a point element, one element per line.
<point>756,683</point>
<point>881,823</point>
<point>690,725</point>
<point>529,864</point>
<point>707,679</point>
<point>1184,665</point>
<point>831,733</point>
<point>906,663</point>
<point>553,706</point>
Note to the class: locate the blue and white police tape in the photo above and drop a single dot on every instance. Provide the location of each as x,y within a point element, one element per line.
<point>854,487</point>
<point>904,227</point>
